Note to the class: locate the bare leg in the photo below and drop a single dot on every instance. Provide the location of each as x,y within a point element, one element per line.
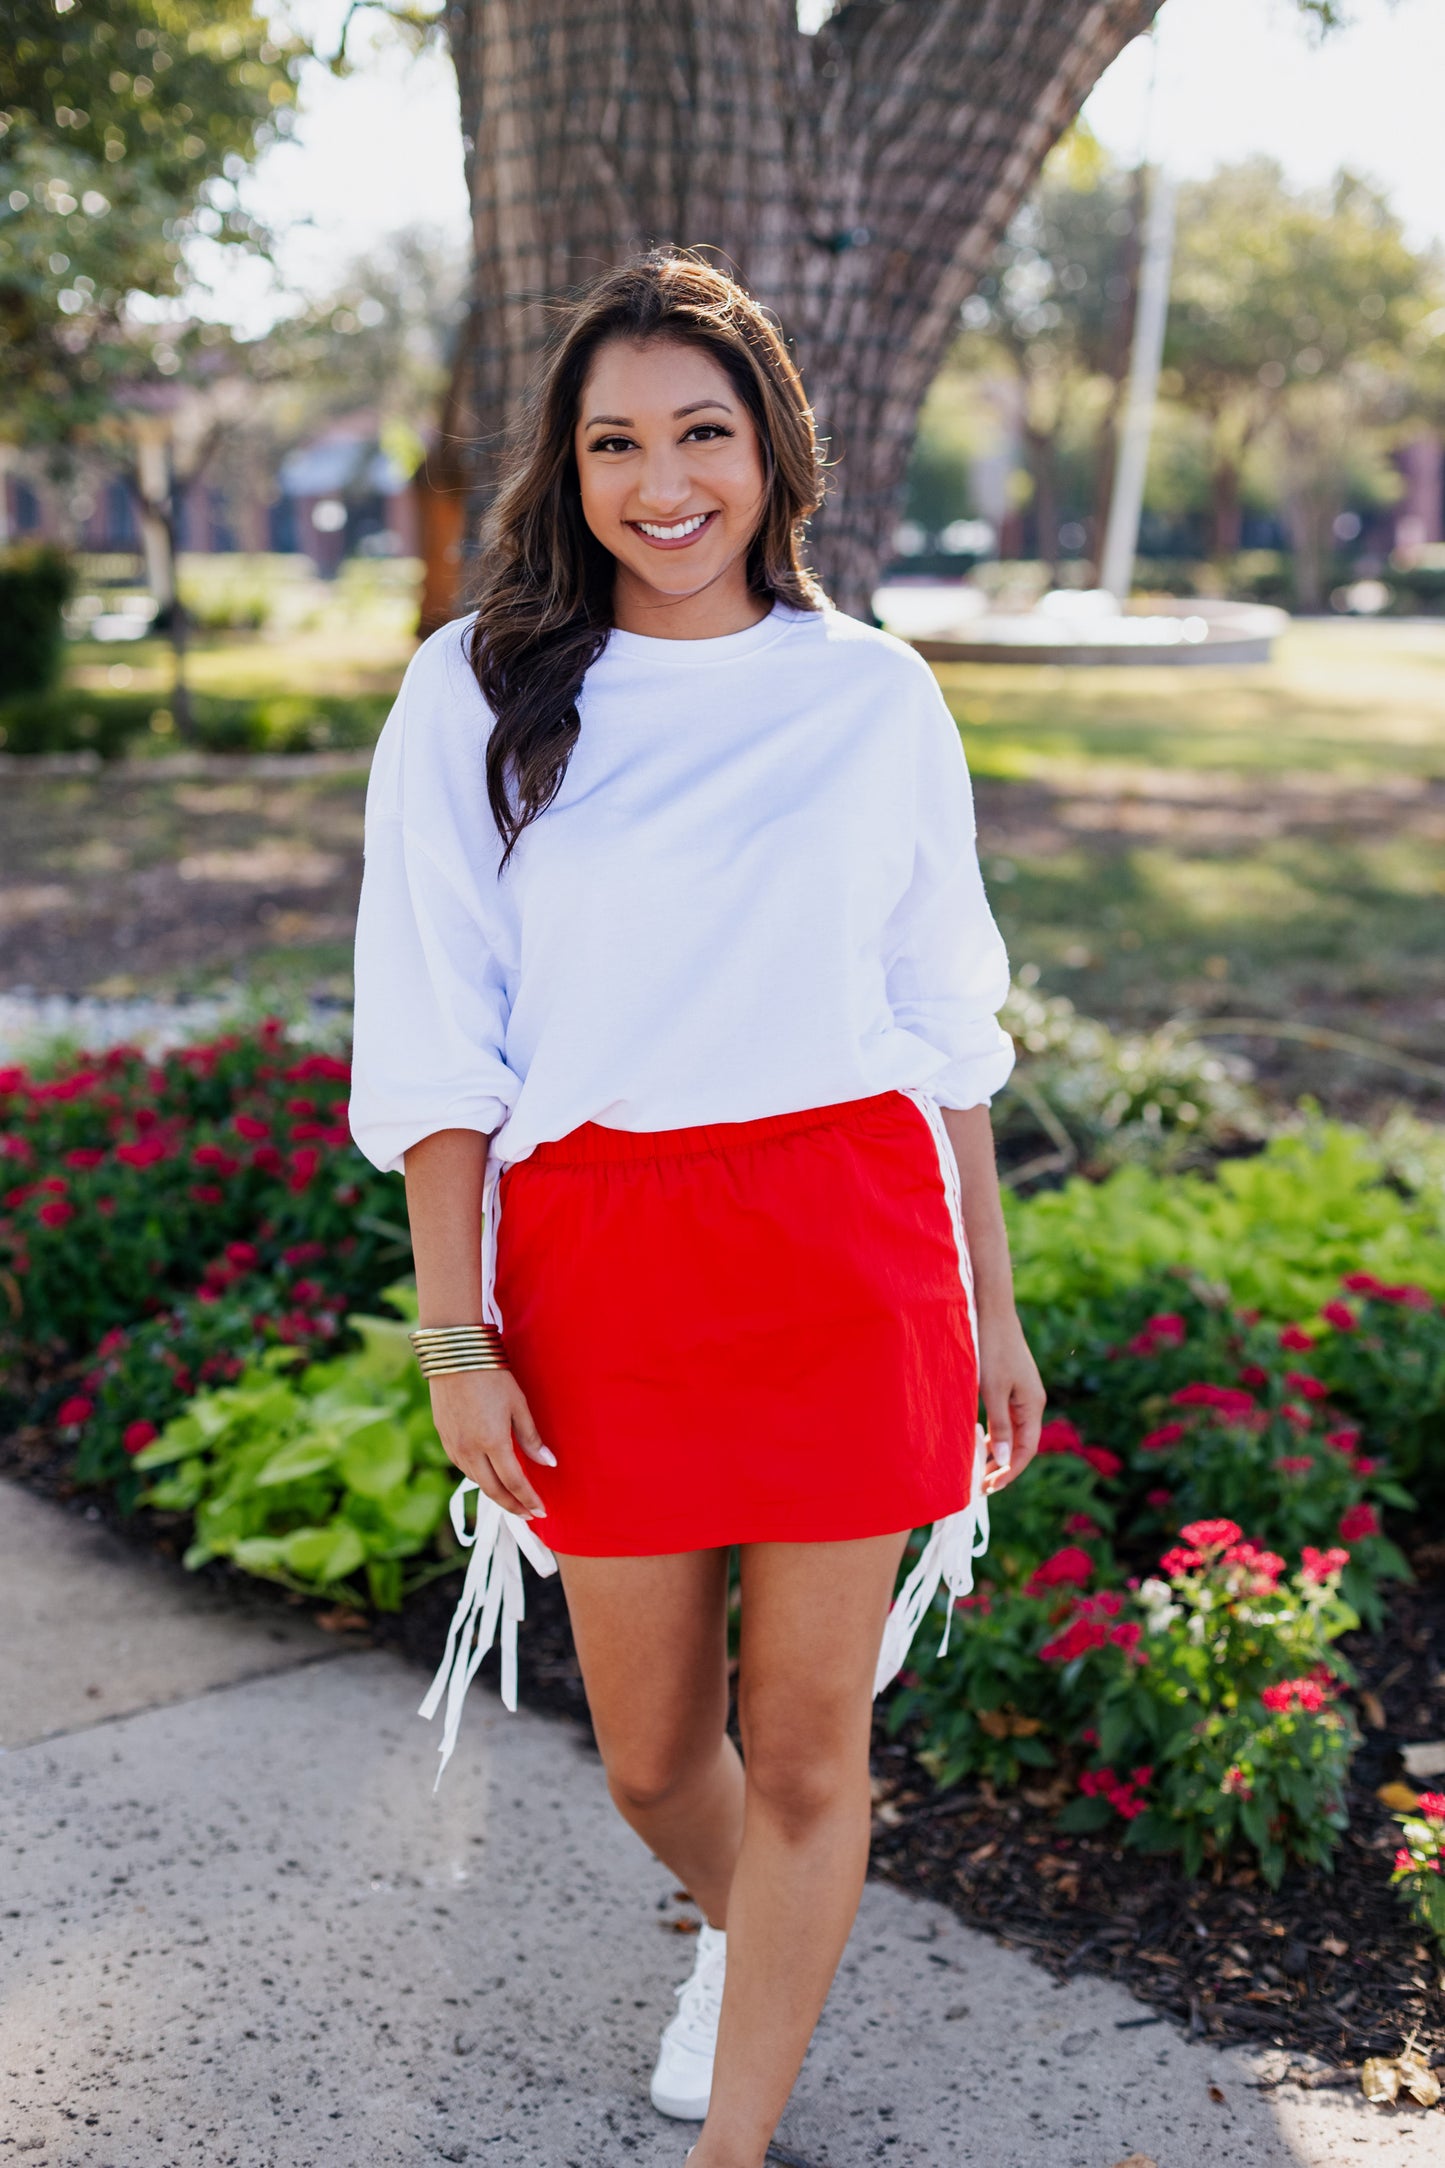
<point>651,1637</point>
<point>812,1623</point>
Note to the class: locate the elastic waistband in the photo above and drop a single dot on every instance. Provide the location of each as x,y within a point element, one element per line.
<point>594,1145</point>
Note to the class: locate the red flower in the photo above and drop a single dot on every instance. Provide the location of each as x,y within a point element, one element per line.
<point>1077,1524</point>
<point>115,1338</point>
<point>136,1436</point>
<point>1158,1499</point>
<point>1298,1418</point>
<point>1278,1698</point>
<point>1101,1460</point>
<point>1404,1861</point>
<point>56,1213</point>
<point>1363,1283</point>
<point>105,1206</point>
<point>244,1254</point>
<point>1266,1566</point>
<point>1340,1315</point>
<point>1233,1782</point>
<point>1357,1521</point>
<point>144,1153</point>
<point>1252,1374</point>
<point>1295,1463</point>
<point>1126,1633</point>
<point>251,1127</point>
<point>266,1159</point>
<point>75,1410</point>
<point>1307,1387</point>
<point>303,1166</point>
<point>1227,1400</point>
<point>1211,1535</point>
<point>1432,1806</point>
<point>54,1184</point>
<point>1157,1441</point>
<point>1343,1441</point>
<point>1319,1565</point>
<point>207,1193</point>
<point>1295,1337</point>
<point>211,1155</point>
<point>1077,1638</point>
<point>307,1253</point>
<point>1058,1436</point>
<point>1068,1568</point>
<point>1180,1560</point>
<point>1309,1695</point>
<point>85,1155</point>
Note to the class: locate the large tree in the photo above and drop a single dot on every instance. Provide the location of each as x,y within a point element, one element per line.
<point>857,178</point>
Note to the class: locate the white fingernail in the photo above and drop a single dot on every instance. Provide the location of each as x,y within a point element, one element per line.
<point>1003,1451</point>
<point>546,1456</point>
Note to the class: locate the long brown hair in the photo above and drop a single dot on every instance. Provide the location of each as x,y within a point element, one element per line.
<point>545,602</point>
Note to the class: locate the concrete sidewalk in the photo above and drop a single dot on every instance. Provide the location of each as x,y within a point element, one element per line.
<point>237,1928</point>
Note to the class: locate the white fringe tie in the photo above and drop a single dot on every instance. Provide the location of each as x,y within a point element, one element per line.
<point>492,1597</point>
<point>957,1540</point>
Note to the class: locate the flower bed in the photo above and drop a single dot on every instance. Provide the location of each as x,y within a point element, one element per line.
<point>1247,1380</point>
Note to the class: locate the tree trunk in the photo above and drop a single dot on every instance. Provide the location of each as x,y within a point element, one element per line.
<point>1040,444</point>
<point>856,180</point>
<point>1225,511</point>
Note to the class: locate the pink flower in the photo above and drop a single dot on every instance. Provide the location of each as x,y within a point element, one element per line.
<point>85,1155</point>
<point>1179,1561</point>
<point>1252,1374</point>
<point>1295,1463</point>
<point>1211,1535</point>
<point>1319,1565</point>
<point>1309,1695</point>
<point>1307,1387</point>
<point>1158,1441</point>
<point>1159,1499</point>
<point>1057,1436</point>
<point>304,1162</point>
<point>1404,1861</point>
<point>1068,1568</point>
<point>1296,1338</point>
<point>1432,1806</point>
<point>56,1212</point>
<point>136,1436</point>
<point>75,1410</point>
<point>251,1127</point>
<point>307,1253</point>
<point>1126,1634</point>
<point>1265,1565</point>
<point>211,1155</point>
<point>1077,1524</point>
<point>1297,1418</point>
<point>1278,1698</point>
<point>243,1254</point>
<point>1340,1315</point>
<point>145,1153</point>
<point>1344,1440</point>
<point>1363,1283</point>
<point>1357,1521</point>
<point>207,1193</point>
<point>1077,1639</point>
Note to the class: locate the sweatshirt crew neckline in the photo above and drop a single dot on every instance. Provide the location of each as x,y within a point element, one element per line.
<point>724,647</point>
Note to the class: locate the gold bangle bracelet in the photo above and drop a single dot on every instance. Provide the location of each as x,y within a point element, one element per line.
<point>442,1350</point>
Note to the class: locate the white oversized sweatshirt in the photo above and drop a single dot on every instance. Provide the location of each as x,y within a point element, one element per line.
<point>757,891</point>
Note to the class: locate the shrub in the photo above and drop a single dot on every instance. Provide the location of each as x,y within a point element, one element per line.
<point>126,1176</point>
<point>1154,1099</point>
<point>1278,1230</point>
<point>1419,1872</point>
<point>35,585</point>
<point>1383,1359</point>
<point>68,720</point>
<point>1206,1695</point>
<point>142,1375</point>
<point>327,1481</point>
<point>71,721</point>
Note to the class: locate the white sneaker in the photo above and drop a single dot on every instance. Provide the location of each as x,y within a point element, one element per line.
<point>682,2082</point>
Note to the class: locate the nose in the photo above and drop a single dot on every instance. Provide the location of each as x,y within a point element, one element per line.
<point>664,484</point>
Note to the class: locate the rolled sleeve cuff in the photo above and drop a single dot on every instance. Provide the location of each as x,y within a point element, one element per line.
<point>385,1139</point>
<point>971,1079</point>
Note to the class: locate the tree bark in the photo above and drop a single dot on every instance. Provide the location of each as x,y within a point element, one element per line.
<point>856,180</point>
<point>1225,510</point>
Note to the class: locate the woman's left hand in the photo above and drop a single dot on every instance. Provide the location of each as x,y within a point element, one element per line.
<point>1013,1398</point>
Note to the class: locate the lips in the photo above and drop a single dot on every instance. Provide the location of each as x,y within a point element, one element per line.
<point>671,541</point>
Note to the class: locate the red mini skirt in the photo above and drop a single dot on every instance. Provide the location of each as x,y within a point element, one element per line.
<point>748,1332</point>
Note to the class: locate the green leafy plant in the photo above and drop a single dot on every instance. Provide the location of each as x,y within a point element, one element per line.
<point>35,585</point>
<point>328,1481</point>
<point>1419,1871</point>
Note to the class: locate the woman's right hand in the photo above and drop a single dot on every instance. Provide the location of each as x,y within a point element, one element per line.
<point>482,1418</point>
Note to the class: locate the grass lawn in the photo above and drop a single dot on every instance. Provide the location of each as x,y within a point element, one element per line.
<point>1264,842</point>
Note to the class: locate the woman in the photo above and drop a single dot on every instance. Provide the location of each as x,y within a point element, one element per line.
<point>674,964</point>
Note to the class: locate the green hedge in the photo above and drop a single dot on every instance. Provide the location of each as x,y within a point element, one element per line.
<point>35,585</point>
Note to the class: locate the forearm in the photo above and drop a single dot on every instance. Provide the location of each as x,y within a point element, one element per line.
<point>444,1204</point>
<point>970,1132</point>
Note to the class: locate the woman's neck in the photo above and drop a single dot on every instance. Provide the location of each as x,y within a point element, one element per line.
<point>724,606</point>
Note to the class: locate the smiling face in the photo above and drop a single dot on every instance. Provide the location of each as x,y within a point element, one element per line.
<point>672,482</point>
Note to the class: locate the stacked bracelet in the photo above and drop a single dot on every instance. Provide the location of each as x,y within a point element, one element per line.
<point>442,1350</point>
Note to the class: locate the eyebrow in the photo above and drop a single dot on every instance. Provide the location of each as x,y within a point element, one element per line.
<point>624,421</point>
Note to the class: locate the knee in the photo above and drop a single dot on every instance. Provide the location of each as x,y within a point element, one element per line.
<point>803,1775</point>
<point>645,1780</point>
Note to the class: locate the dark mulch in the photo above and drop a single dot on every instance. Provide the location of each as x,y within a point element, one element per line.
<point>1327,1966</point>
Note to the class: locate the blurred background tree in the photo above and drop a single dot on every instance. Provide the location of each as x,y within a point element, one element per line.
<point>124,125</point>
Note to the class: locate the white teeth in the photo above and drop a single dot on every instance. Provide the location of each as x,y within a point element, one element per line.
<point>672,534</point>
